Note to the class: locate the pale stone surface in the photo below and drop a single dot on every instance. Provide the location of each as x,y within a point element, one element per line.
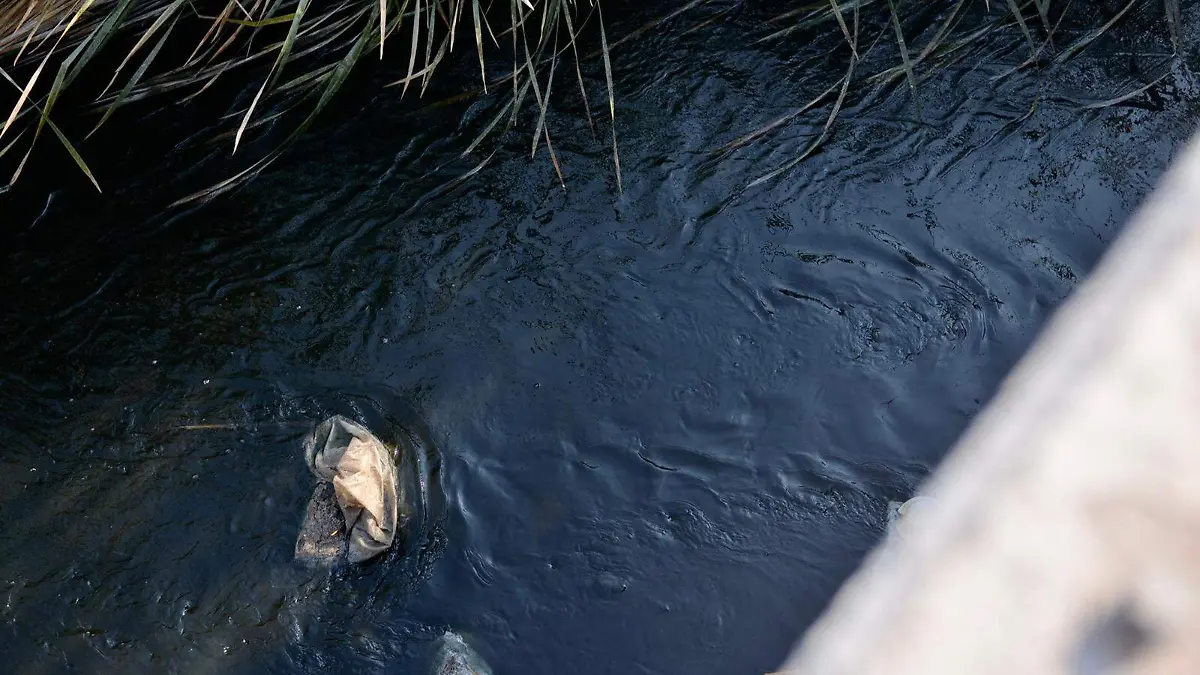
<point>1066,533</point>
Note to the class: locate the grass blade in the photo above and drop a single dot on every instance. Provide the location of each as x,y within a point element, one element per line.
<point>159,21</point>
<point>332,85</point>
<point>212,32</point>
<point>133,80</point>
<point>429,42</point>
<point>32,32</point>
<point>1175,24</point>
<point>45,120</point>
<point>1016,12</point>
<point>12,116</point>
<point>612,106</point>
<point>412,56</point>
<point>100,37</point>
<point>545,103</point>
<point>72,151</point>
<point>1043,8</point>
<point>258,23</point>
<point>837,12</point>
<point>812,147</point>
<point>1126,96</point>
<point>284,50</point>
<point>1083,42</point>
<point>774,124</point>
<point>11,143</point>
<point>491,125</point>
<point>907,61</point>
<point>427,72</point>
<point>479,42</point>
<point>587,107</point>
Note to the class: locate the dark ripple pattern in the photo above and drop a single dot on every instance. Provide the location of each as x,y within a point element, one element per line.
<point>667,422</point>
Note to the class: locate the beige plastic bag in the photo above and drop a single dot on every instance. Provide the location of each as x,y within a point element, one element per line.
<point>363,474</point>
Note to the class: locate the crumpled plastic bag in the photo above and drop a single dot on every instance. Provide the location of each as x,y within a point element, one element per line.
<point>362,472</point>
<point>899,514</point>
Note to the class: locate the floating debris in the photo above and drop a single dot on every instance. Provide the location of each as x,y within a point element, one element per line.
<point>455,657</point>
<point>358,475</point>
<point>899,513</point>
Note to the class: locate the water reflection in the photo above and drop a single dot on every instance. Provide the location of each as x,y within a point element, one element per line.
<point>666,423</point>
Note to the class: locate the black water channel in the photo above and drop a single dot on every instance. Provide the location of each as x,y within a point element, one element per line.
<point>665,421</point>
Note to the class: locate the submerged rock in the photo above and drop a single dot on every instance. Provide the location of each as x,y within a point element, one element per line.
<point>455,657</point>
<point>322,539</point>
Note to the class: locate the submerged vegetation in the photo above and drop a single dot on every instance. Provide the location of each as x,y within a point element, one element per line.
<point>299,53</point>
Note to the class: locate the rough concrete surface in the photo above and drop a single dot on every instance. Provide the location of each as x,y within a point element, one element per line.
<point>1066,532</point>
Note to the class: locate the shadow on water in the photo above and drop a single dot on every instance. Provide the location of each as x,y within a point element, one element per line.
<point>667,422</point>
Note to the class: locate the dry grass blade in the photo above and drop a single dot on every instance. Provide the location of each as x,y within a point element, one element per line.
<point>412,55</point>
<point>543,101</point>
<point>420,74</point>
<point>587,107</point>
<point>134,79</point>
<point>257,23</point>
<point>83,8</point>
<point>491,125</point>
<point>427,72</point>
<point>814,15</point>
<point>1049,41</point>
<point>1043,8</point>
<point>211,33</point>
<point>612,105</point>
<point>554,160</point>
<point>75,156</point>
<point>284,51</point>
<point>32,31</point>
<point>431,4</point>
<point>936,45</point>
<point>332,85</point>
<point>907,62</point>
<point>829,121</point>
<point>10,27</point>
<point>12,116</point>
<point>479,42</point>
<point>458,6</point>
<point>775,124</point>
<point>446,187</point>
<point>382,26</point>
<point>1020,17</point>
<point>944,30</point>
<point>1174,23</point>
<point>812,147</point>
<point>1083,42</point>
<point>11,143</point>
<point>71,150</point>
<point>647,26</point>
<point>159,22</point>
<point>837,12</point>
<point>100,37</point>
<point>1126,96</point>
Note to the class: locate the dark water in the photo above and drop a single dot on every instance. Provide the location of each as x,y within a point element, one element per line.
<point>665,423</point>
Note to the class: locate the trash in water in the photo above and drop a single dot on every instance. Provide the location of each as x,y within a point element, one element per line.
<point>899,514</point>
<point>455,657</point>
<point>353,511</point>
